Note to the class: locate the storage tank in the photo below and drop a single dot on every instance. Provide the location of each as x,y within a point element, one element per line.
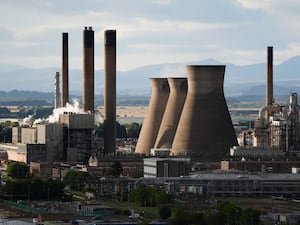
<point>152,121</point>
<point>205,130</point>
<point>178,90</point>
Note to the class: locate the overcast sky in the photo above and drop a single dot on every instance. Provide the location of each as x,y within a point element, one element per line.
<point>150,31</point>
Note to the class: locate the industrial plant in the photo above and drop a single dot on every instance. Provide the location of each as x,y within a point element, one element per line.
<point>188,126</point>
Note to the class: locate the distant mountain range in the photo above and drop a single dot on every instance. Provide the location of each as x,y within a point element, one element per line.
<point>239,80</point>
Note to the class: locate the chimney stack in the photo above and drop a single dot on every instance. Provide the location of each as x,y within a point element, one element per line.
<point>88,69</point>
<point>110,91</point>
<point>269,84</point>
<point>65,70</point>
<point>57,92</point>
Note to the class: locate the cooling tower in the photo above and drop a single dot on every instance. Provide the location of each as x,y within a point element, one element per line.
<point>65,70</point>
<point>205,130</point>
<point>178,89</point>
<point>88,69</point>
<point>155,112</point>
<point>110,91</point>
<point>269,84</point>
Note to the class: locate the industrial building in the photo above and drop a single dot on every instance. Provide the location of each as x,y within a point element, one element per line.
<point>189,118</point>
<point>276,130</point>
<point>228,184</point>
<point>166,167</point>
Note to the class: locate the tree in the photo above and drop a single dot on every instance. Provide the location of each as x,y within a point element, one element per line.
<point>121,131</point>
<point>250,216</point>
<point>133,129</point>
<point>75,179</point>
<point>164,212</point>
<point>17,170</point>
<point>116,169</point>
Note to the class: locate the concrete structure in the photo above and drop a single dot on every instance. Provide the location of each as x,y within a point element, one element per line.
<point>205,131</point>
<point>41,169</point>
<point>88,70</point>
<point>56,91</point>
<point>65,70</point>
<point>25,153</point>
<point>155,112</point>
<point>168,126</point>
<point>28,135</point>
<point>109,91</point>
<point>77,136</point>
<point>166,167</point>
<point>52,136</point>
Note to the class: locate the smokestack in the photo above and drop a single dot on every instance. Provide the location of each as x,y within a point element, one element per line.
<point>65,70</point>
<point>88,69</point>
<point>269,84</point>
<point>57,92</point>
<point>167,130</point>
<point>110,91</point>
<point>205,130</point>
<point>155,112</point>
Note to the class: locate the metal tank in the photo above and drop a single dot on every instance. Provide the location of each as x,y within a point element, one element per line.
<point>178,90</point>
<point>110,91</point>
<point>155,112</point>
<point>205,131</point>
<point>65,70</point>
<point>88,70</point>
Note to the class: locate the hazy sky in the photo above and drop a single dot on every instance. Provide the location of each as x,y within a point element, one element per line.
<point>150,31</point>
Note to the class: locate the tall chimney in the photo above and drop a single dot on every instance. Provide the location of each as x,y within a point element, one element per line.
<point>167,130</point>
<point>88,69</point>
<point>65,70</point>
<point>205,130</point>
<point>155,112</point>
<point>109,91</point>
<point>57,91</point>
<point>269,84</point>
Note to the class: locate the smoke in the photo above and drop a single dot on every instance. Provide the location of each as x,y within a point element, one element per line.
<point>73,107</point>
<point>69,108</point>
<point>27,120</point>
<point>98,118</point>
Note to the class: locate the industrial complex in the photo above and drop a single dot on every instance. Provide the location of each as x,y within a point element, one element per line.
<point>187,131</point>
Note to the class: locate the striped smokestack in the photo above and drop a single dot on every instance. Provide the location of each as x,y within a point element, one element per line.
<point>269,83</point>
<point>109,91</point>
<point>88,69</point>
<point>65,70</point>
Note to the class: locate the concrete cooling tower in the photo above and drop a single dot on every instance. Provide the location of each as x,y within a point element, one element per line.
<point>155,112</point>
<point>205,130</point>
<point>178,90</point>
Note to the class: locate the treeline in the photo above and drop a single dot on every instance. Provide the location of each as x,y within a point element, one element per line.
<point>131,130</point>
<point>37,112</point>
<point>20,184</point>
